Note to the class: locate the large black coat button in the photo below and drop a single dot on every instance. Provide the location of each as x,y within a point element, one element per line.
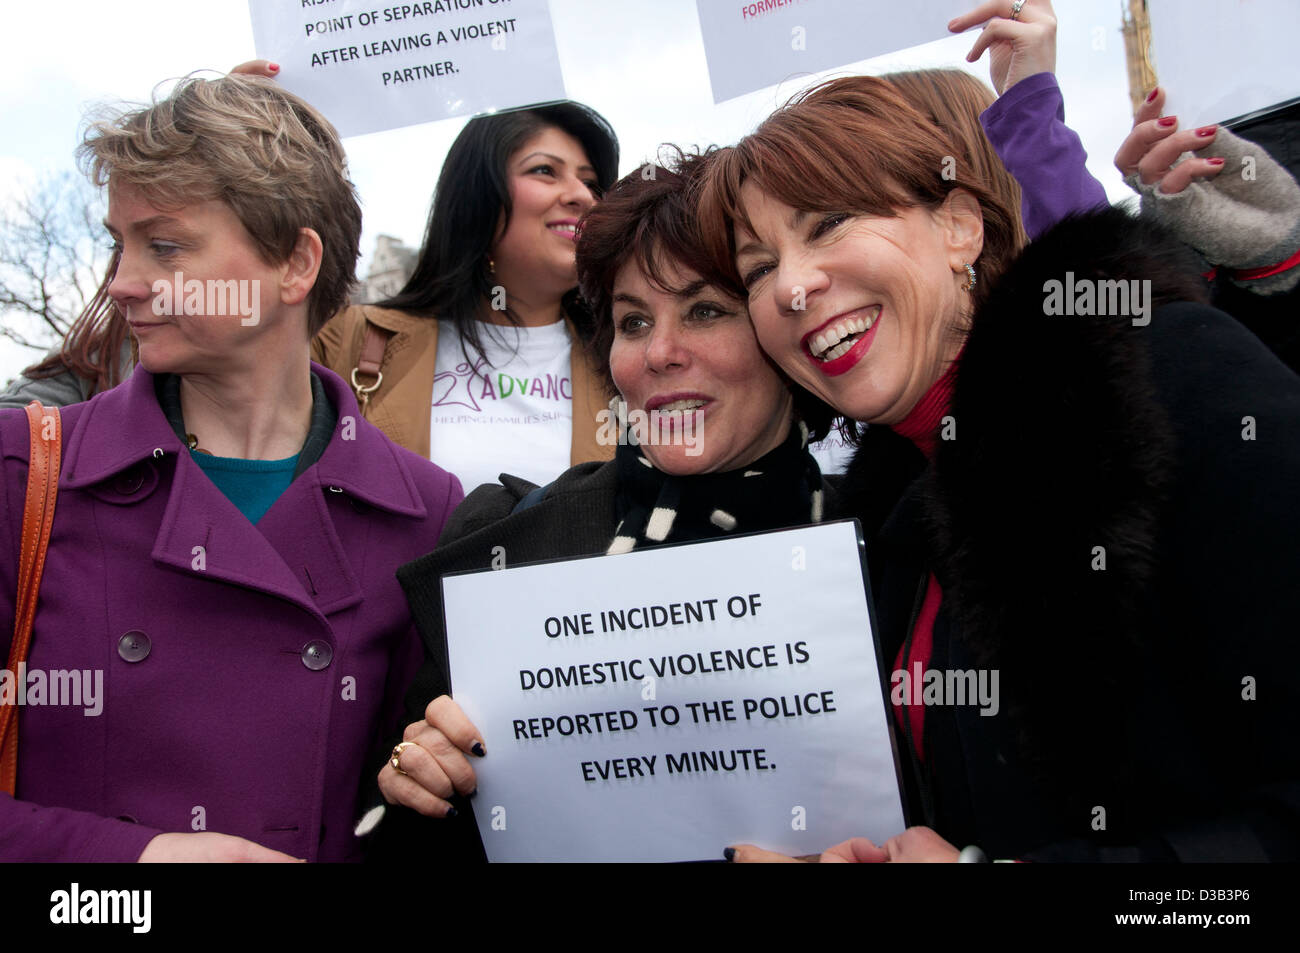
<point>129,481</point>
<point>317,655</point>
<point>134,646</point>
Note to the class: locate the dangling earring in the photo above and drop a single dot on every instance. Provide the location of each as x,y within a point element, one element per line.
<point>618,416</point>
<point>970,277</point>
<point>492,267</point>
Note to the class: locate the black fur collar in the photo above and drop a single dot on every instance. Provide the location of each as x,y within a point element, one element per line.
<point>1061,458</point>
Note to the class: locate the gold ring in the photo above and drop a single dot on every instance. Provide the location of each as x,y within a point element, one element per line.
<point>396,759</point>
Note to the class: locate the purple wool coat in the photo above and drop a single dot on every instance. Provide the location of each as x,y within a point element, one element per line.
<point>246,670</point>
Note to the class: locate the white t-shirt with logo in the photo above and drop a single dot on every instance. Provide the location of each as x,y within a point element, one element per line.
<point>510,412</point>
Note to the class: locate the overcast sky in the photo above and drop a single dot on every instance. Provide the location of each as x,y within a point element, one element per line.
<point>639,63</point>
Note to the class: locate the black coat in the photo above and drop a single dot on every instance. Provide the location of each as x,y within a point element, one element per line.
<point>1274,319</point>
<point>1144,705</point>
<point>575,516</point>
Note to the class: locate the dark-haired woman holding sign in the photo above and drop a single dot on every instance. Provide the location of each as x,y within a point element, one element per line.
<point>718,446</point>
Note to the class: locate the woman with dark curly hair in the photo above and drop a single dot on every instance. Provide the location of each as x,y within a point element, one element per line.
<point>712,441</point>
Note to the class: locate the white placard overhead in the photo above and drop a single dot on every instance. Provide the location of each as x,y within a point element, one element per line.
<point>1221,59</point>
<point>664,704</point>
<point>752,44</point>
<point>370,65</point>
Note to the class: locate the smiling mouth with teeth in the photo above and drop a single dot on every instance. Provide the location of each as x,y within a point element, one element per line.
<point>679,406</point>
<point>835,341</point>
<point>568,231</point>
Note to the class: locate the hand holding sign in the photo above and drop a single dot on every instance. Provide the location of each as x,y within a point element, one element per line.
<point>258,68</point>
<point>430,765</point>
<point>855,850</point>
<point>916,845</point>
<point>1021,42</point>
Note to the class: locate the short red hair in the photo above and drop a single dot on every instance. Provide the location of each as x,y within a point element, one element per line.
<point>859,145</point>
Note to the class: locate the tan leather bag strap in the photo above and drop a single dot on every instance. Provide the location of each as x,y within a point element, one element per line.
<point>44,461</point>
<point>372,356</point>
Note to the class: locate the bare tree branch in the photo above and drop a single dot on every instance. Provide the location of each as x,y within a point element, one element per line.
<point>52,258</point>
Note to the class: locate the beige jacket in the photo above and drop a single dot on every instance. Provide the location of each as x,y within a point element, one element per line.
<point>402,406</point>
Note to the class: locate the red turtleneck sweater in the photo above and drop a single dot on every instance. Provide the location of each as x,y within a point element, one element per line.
<point>921,426</point>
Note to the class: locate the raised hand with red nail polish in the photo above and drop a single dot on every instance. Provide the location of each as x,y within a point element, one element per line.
<point>1152,150</point>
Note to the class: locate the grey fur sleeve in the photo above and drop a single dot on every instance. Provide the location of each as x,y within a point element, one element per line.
<point>1248,216</point>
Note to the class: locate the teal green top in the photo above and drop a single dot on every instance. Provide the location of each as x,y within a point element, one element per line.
<point>252,485</point>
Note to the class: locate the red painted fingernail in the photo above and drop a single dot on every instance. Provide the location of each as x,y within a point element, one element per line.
<point>1207,131</point>
<point>1214,161</point>
<point>1167,121</point>
<point>1151,96</point>
<point>273,67</point>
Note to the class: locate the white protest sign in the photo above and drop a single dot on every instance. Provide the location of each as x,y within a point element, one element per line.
<point>1221,59</point>
<point>663,704</point>
<point>369,65</point>
<point>751,44</point>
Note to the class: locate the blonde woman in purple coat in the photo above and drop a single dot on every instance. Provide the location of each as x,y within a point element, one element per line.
<point>219,589</point>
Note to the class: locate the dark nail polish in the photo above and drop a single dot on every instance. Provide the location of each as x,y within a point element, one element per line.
<point>1151,96</point>
<point>477,748</point>
<point>451,812</point>
<point>729,854</point>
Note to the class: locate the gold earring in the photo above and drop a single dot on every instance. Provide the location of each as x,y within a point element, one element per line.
<point>970,277</point>
<point>618,414</point>
<point>492,267</point>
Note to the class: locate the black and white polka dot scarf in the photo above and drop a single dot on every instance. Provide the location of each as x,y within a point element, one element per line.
<point>782,488</point>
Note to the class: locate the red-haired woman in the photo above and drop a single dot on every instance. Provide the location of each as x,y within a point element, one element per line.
<point>1077,475</point>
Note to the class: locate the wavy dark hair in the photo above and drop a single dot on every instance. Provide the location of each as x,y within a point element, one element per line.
<point>451,277</point>
<point>649,219</point>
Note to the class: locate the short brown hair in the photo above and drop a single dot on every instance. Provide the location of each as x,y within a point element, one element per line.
<point>859,144</point>
<point>649,218</point>
<point>242,140</point>
<point>953,99</point>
